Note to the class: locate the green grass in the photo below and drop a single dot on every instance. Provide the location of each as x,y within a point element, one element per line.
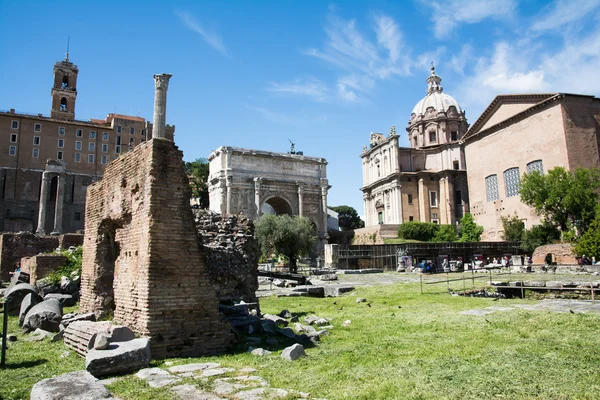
<point>405,346</point>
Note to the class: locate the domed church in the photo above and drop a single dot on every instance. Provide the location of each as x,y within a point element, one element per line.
<point>427,181</point>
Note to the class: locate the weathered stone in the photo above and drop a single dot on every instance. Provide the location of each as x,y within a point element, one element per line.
<point>285,314</point>
<point>277,320</point>
<point>80,335</point>
<point>293,352</point>
<point>337,290</point>
<point>346,323</point>
<point>321,322</point>
<point>119,333</point>
<point>534,283</point>
<point>66,300</point>
<point>73,386</point>
<point>328,277</point>
<point>262,393</point>
<point>156,377</point>
<point>101,341</point>
<point>260,352</point>
<point>67,285</point>
<point>14,295</point>
<point>303,328</point>
<point>248,370</point>
<point>58,336</point>
<point>119,358</point>
<point>311,319</point>
<point>311,291</point>
<point>268,326</point>
<point>74,317</point>
<point>190,392</point>
<point>272,342</point>
<point>216,371</point>
<point>28,302</point>
<point>179,369</point>
<point>360,300</point>
<point>44,287</point>
<point>45,315</point>
<point>287,332</point>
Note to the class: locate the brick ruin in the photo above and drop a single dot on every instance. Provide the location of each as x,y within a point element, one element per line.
<point>231,254</point>
<point>142,257</point>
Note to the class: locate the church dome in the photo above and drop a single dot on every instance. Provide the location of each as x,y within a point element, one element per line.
<point>441,102</point>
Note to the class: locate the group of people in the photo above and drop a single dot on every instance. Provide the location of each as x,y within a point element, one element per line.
<point>585,260</point>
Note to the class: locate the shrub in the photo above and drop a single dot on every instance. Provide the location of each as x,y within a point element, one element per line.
<point>423,231</point>
<point>539,235</point>
<point>446,233</point>
<point>72,265</point>
<point>469,230</point>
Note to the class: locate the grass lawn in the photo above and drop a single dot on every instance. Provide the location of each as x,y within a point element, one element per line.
<point>405,346</point>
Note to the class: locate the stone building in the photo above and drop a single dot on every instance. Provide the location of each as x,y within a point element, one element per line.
<point>47,163</point>
<point>427,181</point>
<point>254,182</point>
<point>521,133</point>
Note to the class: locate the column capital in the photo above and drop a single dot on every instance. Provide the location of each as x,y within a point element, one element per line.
<point>161,81</point>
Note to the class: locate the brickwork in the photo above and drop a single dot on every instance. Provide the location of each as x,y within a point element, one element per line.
<point>40,266</point>
<point>142,250</point>
<point>562,253</point>
<point>15,246</point>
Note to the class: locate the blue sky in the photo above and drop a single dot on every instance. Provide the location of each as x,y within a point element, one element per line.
<point>325,75</point>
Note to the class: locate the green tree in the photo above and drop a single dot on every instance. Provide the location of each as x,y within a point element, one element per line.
<point>469,230</point>
<point>589,243</point>
<point>423,231</point>
<point>514,228</point>
<point>565,199</point>
<point>539,235</point>
<point>197,172</point>
<point>285,235</point>
<point>446,233</point>
<point>348,218</point>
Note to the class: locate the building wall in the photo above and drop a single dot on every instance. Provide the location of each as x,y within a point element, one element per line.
<point>581,116</point>
<point>540,137</point>
<point>507,110</point>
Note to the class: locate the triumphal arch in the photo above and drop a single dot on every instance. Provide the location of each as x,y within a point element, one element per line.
<point>255,182</point>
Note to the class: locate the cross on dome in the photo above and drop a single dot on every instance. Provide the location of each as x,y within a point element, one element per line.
<point>433,82</point>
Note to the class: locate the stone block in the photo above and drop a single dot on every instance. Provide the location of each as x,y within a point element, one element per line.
<point>72,386</point>
<point>119,358</point>
<point>65,300</point>
<point>45,315</point>
<point>28,302</point>
<point>293,352</point>
<point>312,291</point>
<point>15,295</point>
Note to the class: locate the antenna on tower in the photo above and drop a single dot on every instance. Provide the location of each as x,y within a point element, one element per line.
<point>68,43</point>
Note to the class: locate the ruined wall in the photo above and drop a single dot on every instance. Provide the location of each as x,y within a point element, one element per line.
<point>14,246</point>
<point>562,253</point>
<point>231,254</point>
<point>139,229</point>
<point>40,266</point>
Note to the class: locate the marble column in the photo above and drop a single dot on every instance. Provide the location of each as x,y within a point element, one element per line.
<point>422,201</point>
<point>58,209</point>
<point>324,205</point>
<point>161,84</point>
<point>443,202</point>
<point>41,228</point>
<point>257,182</point>
<point>398,197</point>
<point>300,201</point>
<point>228,190</point>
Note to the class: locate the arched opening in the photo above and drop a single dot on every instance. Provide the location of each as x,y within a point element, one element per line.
<point>63,104</point>
<point>276,205</point>
<point>379,210</point>
<point>65,82</point>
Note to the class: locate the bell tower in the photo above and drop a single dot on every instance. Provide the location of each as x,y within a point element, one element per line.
<point>64,91</point>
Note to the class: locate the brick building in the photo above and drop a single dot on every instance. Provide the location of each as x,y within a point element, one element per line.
<point>521,133</point>
<point>58,157</point>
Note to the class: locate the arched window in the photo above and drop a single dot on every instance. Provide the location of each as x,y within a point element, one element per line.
<point>63,104</point>
<point>65,82</point>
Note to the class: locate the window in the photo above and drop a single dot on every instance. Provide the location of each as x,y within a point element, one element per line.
<point>12,150</point>
<point>105,148</point>
<point>90,158</point>
<point>432,136</point>
<point>409,180</point>
<point>77,216</point>
<point>59,155</point>
<point>131,131</point>
<point>37,128</point>
<point>434,215</point>
<point>131,140</point>
<point>456,164</point>
<point>77,157</point>
<point>104,135</point>
<point>535,166</point>
<point>35,153</point>
<point>61,130</point>
<point>63,104</point>
<point>454,136</point>
<point>118,140</point>
<point>434,218</point>
<point>411,218</point>
<point>143,132</point>
<point>14,124</point>
<point>118,150</point>
<point>91,146</point>
<point>410,198</point>
<point>78,145</point>
<point>491,188</point>
<point>512,181</point>
<point>36,140</point>
<point>13,138</point>
<point>118,128</point>
<point>61,143</point>
<point>433,202</point>
<point>79,133</point>
<point>92,134</point>
<point>103,160</point>
<point>65,82</point>
<point>380,217</point>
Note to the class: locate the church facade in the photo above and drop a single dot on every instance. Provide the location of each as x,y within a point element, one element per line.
<point>427,181</point>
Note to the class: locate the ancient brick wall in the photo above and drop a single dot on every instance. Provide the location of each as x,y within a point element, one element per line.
<point>142,256</point>
<point>14,246</point>
<point>231,253</point>
<point>562,253</point>
<point>70,239</point>
<point>40,266</point>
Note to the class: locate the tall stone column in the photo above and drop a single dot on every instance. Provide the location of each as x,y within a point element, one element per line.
<point>58,209</point>
<point>422,200</point>
<point>161,84</point>
<point>41,228</point>
<point>398,201</point>
<point>443,201</point>
<point>257,182</point>
<point>324,189</point>
<point>228,189</point>
<point>366,209</point>
<point>300,202</point>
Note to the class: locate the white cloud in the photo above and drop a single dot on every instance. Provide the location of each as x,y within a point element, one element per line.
<point>213,39</point>
<point>561,13</point>
<point>272,116</point>
<point>462,58</point>
<point>448,15</point>
<point>312,87</point>
<point>348,86</point>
